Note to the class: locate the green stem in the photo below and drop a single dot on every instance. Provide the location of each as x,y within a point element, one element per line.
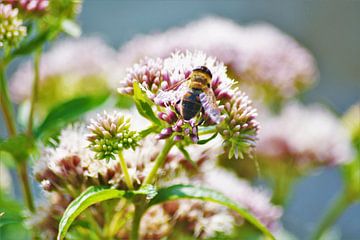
<point>139,210</point>
<point>8,113</point>
<point>125,171</point>
<point>282,189</point>
<point>159,161</point>
<point>25,186</point>
<point>35,90</point>
<point>6,106</point>
<point>207,130</point>
<point>337,208</point>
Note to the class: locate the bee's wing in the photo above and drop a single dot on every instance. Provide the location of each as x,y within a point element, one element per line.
<point>208,101</point>
<point>171,96</point>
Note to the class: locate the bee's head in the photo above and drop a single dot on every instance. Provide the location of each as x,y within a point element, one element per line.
<point>202,72</point>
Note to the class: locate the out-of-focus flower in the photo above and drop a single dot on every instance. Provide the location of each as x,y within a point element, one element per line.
<point>257,54</point>
<point>82,66</point>
<point>72,164</point>
<point>205,219</point>
<point>110,133</point>
<point>156,76</point>
<point>11,28</point>
<point>156,223</point>
<point>46,219</point>
<point>303,137</point>
<point>255,200</point>
<point>30,6</point>
<point>202,219</point>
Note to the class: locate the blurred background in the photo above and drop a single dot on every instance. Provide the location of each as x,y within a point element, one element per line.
<point>329,29</point>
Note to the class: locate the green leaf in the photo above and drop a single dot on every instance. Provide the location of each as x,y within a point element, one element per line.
<point>34,43</point>
<point>91,196</point>
<point>149,130</point>
<point>143,104</point>
<point>204,141</point>
<point>191,192</point>
<point>124,101</point>
<point>67,112</point>
<point>70,27</point>
<point>19,146</point>
<point>95,195</point>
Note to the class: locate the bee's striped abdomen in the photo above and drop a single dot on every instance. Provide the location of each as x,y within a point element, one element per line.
<point>190,104</point>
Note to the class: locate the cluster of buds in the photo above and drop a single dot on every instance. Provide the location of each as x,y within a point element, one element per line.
<point>11,28</point>
<point>156,76</point>
<point>241,127</point>
<point>46,219</point>
<point>110,133</point>
<point>148,73</point>
<point>70,167</point>
<point>30,6</point>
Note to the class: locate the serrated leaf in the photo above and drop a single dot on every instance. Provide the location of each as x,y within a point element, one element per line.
<point>19,146</point>
<point>143,104</point>
<point>191,192</point>
<point>91,196</point>
<point>71,28</point>
<point>67,112</point>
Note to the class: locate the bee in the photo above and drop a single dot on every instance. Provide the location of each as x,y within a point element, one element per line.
<point>193,96</point>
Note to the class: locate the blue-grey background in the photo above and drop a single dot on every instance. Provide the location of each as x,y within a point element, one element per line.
<point>328,28</point>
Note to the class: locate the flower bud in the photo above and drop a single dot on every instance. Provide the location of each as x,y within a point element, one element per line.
<point>110,133</point>
<point>11,28</point>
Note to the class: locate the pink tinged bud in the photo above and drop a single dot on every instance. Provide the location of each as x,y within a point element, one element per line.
<point>187,131</point>
<point>180,123</point>
<point>165,133</point>
<point>178,138</point>
<point>171,116</point>
<point>192,122</point>
<point>164,85</point>
<point>194,138</point>
<point>195,130</point>
<point>154,88</point>
<point>177,128</point>
<point>162,116</point>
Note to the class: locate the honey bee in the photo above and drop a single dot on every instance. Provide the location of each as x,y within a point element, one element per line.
<point>193,96</point>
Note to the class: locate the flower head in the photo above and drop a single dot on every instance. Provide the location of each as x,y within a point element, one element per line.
<point>110,133</point>
<point>72,163</point>
<point>157,76</point>
<point>30,6</point>
<point>240,126</point>
<point>304,137</point>
<point>256,200</point>
<point>84,67</point>
<point>257,54</point>
<point>204,219</point>
<point>11,27</point>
